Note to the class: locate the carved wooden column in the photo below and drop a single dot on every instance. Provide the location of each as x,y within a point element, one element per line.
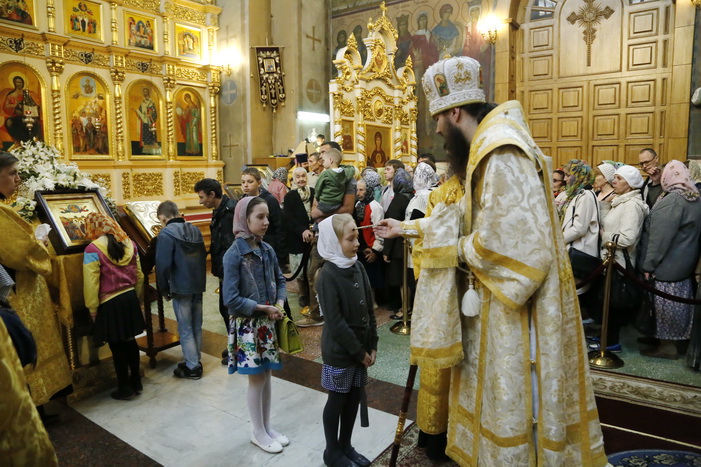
<point>214,89</point>
<point>51,13</point>
<point>166,35</point>
<point>169,84</point>
<point>113,23</point>
<point>55,67</point>
<point>118,78</point>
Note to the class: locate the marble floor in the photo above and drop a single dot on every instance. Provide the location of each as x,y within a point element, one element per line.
<point>205,422</point>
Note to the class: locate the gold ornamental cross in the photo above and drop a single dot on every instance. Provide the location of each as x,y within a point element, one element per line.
<point>589,16</point>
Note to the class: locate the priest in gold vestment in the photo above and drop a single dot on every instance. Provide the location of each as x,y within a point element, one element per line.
<point>30,261</point>
<point>520,391</point>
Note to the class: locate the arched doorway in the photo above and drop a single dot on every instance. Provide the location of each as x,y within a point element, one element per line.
<point>595,77</point>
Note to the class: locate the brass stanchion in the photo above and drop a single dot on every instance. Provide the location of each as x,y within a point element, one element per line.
<point>603,358</point>
<point>404,326</point>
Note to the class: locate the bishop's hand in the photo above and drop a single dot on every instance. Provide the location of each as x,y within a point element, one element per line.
<point>388,228</point>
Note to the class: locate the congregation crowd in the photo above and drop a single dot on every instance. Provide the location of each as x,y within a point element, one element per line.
<point>656,225</point>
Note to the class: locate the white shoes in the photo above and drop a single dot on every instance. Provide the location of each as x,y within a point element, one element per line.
<point>283,440</point>
<point>273,448</point>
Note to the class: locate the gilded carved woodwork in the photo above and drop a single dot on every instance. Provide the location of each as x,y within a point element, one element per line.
<point>186,14</point>
<point>86,57</point>
<point>118,76</point>
<point>113,24</point>
<point>188,180</point>
<point>374,105</point>
<point>176,183</point>
<point>103,179</point>
<point>51,15</point>
<point>126,185</point>
<point>191,74</point>
<point>143,67</point>
<point>151,5</point>
<point>147,184</point>
<point>214,89</point>
<point>55,68</point>
<point>220,176</point>
<point>169,84</point>
<point>19,45</point>
<point>166,36</point>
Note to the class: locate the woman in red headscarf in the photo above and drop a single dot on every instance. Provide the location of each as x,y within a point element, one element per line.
<point>113,287</point>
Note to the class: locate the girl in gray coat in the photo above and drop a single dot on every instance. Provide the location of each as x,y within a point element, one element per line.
<point>671,249</point>
<point>349,339</point>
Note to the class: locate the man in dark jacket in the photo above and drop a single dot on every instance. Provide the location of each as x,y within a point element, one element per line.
<point>222,234</point>
<point>181,270</point>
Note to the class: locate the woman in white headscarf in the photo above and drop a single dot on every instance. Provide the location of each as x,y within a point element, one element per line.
<point>625,222</point>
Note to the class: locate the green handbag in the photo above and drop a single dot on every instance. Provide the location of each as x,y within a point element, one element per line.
<point>288,338</point>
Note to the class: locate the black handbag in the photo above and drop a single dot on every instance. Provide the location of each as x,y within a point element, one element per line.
<point>583,264</point>
<point>626,295</point>
<point>645,321</point>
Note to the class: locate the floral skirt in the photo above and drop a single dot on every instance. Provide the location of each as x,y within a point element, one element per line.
<point>252,346</point>
<point>674,318</point>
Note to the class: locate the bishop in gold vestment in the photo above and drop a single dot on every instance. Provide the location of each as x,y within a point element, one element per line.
<point>520,389</point>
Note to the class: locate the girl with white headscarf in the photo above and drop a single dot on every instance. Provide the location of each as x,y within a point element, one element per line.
<point>349,338</point>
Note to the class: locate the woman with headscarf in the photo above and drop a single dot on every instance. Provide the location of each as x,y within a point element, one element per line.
<point>369,212</point>
<point>28,262</point>
<point>671,248</point>
<point>625,222</point>
<point>113,286</point>
<point>580,219</point>
<point>278,185</point>
<point>296,213</point>
<point>604,174</point>
<point>377,190</point>
<point>393,252</point>
<point>579,178</point>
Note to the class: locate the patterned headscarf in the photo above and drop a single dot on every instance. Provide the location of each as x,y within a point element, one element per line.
<point>372,181</point>
<point>424,177</point>
<point>695,171</point>
<point>281,174</point>
<point>581,176</point>
<point>6,284</point>
<point>97,225</point>
<point>401,184</point>
<point>677,179</point>
<point>241,222</point>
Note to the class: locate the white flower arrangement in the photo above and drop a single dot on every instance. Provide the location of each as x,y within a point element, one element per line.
<point>40,168</point>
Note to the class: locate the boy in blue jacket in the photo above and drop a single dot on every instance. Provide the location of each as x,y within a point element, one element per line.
<point>181,273</point>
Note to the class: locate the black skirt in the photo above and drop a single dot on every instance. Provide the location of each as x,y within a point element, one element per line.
<point>119,319</point>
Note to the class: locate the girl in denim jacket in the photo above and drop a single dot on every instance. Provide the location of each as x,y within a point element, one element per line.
<point>254,292</point>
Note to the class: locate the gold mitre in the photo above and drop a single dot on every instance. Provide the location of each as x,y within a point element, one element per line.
<point>453,82</point>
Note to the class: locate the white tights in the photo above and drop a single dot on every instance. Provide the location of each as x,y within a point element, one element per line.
<point>259,403</point>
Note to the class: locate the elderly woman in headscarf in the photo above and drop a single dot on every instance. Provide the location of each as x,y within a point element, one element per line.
<point>377,190</point>
<point>671,248</point>
<point>278,185</point>
<point>625,222</point>
<point>296,213</point>
<point>369,212</point>
<point>580,216</point>
<point>604,173</point>
<point>393,252</point>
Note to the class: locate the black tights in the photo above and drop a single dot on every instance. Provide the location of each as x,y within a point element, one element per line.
<point>125,356</point>
<point>341,408</point>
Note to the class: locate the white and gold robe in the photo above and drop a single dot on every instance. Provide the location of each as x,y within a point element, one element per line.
<point>522,394</point>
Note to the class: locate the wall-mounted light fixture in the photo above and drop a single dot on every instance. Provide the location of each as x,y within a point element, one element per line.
<point>230,60</point>
<point>488,28</point>
<point>696,3</point>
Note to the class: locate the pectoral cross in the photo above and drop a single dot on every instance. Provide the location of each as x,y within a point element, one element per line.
<point>314,38</point>
<point>589,16</point>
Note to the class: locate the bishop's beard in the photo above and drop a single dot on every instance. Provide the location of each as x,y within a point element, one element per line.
<point>457,149</point>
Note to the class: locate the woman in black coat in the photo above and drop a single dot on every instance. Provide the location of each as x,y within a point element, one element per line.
<point>393,251</point>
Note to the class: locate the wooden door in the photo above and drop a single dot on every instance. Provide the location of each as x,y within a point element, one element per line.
<point>594,77</point>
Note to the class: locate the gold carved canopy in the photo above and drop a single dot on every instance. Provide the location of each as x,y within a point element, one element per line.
<point>374,105</point>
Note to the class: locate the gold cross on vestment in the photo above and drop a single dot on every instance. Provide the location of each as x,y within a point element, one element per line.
<point>589,16</point>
